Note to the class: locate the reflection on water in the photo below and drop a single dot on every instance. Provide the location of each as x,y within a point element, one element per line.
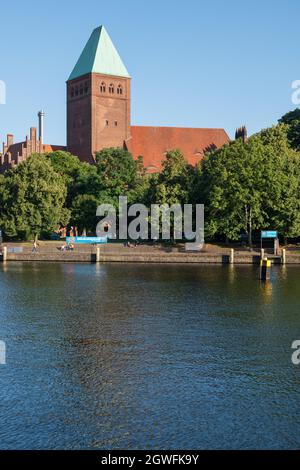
<point>267,291</point>
<point>148,356</point>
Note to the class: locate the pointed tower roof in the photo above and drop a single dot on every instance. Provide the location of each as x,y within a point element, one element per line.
<point>99,56</point>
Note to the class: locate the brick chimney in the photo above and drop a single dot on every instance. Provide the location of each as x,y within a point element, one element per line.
<point>10,139</point>
<point>33,140</point>
<point>33,133</point>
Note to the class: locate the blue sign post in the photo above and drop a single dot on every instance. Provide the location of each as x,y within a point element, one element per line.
<point>87,240</point>
<point>269,234</point>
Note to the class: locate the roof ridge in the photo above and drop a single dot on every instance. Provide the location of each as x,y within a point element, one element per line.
<point>99,39</point>
<point>184,128</point>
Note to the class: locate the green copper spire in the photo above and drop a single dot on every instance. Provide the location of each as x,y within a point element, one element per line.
<point>99,56</point>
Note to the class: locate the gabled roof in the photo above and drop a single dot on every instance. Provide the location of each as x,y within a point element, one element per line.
<point>152,143</point>
<point>99,56</point>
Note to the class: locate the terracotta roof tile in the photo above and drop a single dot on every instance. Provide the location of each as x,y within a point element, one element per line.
<point>153,143</point>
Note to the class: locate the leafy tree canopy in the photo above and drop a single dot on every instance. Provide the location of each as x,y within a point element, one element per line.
<point>83,212</point>
<point>252,185</point>
<point>79,177</point>
<point>292,120</point>
<point>174,184</point>
<point>119,174</point>
<point>32,197</point>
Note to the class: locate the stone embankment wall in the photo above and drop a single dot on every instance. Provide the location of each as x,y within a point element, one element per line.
<point>154,255</point>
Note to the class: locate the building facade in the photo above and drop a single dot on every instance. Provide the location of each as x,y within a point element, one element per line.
<point>98,99</point>
<point>15,153</point>
<point>98,116</point>
<point>98,112</point>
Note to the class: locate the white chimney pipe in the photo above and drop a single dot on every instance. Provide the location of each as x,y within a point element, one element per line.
<point>41,115</point>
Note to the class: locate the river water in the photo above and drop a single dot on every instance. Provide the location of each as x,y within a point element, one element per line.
<point>148,357</point>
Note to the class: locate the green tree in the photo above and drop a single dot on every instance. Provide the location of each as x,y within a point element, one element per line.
<point>83,212</point>
<point>282,181</point>
<point>292,120</point>
<point>174,184</point>
<point>246,186</point>
<point>229,183</point>
<point>284,201</point>
<point>32,197</point>
<point>119,174</point>
<point>64,163</point>
<point>79,177</point>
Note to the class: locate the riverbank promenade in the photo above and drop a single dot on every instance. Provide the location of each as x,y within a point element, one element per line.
<point>117,252</point>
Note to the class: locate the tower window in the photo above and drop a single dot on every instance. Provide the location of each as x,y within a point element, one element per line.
<point>72,92</point>
<point>81,89</point>
<point>102,88</point>
<point>120,90</point>
<point>107,123</point>
<point>86,87</point>
<point>116,123</point>
<point>111,88</point>
<point>76,91</point>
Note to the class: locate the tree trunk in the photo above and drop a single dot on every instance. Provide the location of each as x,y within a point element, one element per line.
<point>250,229</point>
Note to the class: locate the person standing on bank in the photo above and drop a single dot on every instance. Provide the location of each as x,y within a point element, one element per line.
<point>35,247</point>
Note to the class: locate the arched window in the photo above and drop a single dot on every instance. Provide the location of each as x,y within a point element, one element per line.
<point>111,88</point>
<point>86,87</point>
<point>72,92</point>
<point>81,89</point>
<point>102,88</point>
<point>120,90</point>
<point>76,91</point>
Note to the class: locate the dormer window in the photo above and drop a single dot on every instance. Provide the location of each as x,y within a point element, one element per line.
<point>111,88</point>
<point>102,87</point>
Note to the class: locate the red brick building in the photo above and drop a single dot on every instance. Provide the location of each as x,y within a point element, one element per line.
<point>14,153</point>
<point>98,112</point>
<point>98,116</point>
<point>154,142</point>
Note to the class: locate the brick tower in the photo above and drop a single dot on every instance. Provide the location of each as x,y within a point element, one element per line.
<point>98,99</point>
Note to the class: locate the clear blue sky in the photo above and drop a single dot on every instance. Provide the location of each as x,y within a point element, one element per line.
<point>193,63</point>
